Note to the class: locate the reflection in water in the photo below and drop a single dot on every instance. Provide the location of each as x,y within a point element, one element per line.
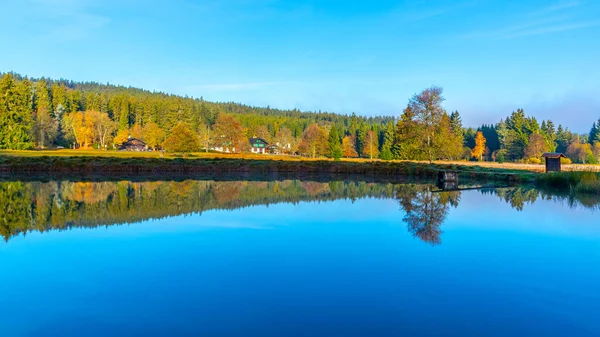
<point>41,206</point>
<point>426,210</point>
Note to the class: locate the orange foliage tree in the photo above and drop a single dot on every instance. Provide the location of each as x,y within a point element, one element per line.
<point>479,148</point>
<point>348,147</point>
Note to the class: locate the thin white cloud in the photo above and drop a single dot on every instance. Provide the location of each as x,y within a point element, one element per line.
<point>552,29</point>
<point>560,6</point>
<point>68,20</point>
<point>549,20</point>
<point>236,86</point>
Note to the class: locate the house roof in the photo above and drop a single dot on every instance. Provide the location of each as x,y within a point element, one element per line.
<point>133,141</point>
<point>553,155</point>
<point>256,140</point>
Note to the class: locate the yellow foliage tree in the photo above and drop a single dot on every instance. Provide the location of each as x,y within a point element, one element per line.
<point>153,135</point>
<point>121,137</point>
<point>479,148</point>
<point>81,127</point>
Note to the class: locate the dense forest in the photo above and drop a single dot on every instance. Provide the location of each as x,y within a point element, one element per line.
<point>44,113</point>
<point>61,205</point>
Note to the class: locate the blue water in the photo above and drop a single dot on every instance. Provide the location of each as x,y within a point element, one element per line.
<point>329,268</point>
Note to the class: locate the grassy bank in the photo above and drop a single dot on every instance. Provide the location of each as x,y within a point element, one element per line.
<point>133,164</point>
<point>86,164</point>
<point>578,182</point>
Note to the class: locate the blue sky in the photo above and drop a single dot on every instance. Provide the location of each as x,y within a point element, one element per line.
<point>491,56</point>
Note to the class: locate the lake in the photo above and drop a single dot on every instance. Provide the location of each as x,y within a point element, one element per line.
<point>295,258</point>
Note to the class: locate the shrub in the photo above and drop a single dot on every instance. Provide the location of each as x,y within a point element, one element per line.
<point>565,161</point>
<point>589,183</point>
<point>500,157</point>
<point>534,160</point>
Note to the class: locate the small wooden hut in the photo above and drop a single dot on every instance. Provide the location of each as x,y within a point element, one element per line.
<point>553,161</point>
<point>133,144</point>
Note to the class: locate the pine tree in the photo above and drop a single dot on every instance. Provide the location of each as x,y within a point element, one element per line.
<point>45,127</point>
<point>15,114</point>
<point>594,135</point>
<point>387,142</point>
<point>335,148</point>
<point>456,123</point>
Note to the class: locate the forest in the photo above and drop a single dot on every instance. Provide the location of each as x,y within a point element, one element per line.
<point>44,114</point>
<point>62,205</point>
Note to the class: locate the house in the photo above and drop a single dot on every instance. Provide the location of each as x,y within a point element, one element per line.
<point>258,145</point>
<point>133,144</point>
<point>274,149</point>
<point>553,161</point>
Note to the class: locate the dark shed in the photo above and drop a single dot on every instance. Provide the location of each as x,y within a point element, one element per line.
<point>133,144</point>
<point>553,161</point>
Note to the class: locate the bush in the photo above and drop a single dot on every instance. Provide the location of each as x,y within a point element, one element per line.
<point>533,160</point>
<point>566,161</point>
<point>500,157</point>
<point>589,183</point>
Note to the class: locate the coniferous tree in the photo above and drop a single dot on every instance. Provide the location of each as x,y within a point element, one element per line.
<point>387,142</point>
<point>15,114</point>
<point>594,135</point>
<point>335,148</point>
<point>456,123</point>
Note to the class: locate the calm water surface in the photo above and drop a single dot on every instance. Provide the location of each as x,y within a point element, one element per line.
<point>292,258</point>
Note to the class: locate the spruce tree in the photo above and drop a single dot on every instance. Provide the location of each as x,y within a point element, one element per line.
<point>335,148</point>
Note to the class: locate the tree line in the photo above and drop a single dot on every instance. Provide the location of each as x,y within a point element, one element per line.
<point>44,113</point>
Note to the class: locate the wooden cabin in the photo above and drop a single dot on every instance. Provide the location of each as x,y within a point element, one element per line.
<point>133,144</point>
<point>553,161</point>
<point>258,145</point>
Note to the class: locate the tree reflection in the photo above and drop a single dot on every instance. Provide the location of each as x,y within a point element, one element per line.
<point>426,210</point>
<point>41,206</point>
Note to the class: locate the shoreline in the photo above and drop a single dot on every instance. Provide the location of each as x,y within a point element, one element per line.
<point>133,167</point>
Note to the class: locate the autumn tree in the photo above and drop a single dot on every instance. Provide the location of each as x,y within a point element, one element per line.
<point>348,147</point>
<point>580,152</point>
<point>136,131</point>
<point>153,135</point>
<point>81,128</point>
<point>103,126</point>
<point>371,145</point>
<point>335,148</point>
<point>182,139</point>
<point>479,148</point>
<point>262,132</point>
<point>285,139</point>
<point>121,137</point>
<point>228,134</point>
<point>428,112</point>
<point>535,147</point>
<point>314,141</point>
